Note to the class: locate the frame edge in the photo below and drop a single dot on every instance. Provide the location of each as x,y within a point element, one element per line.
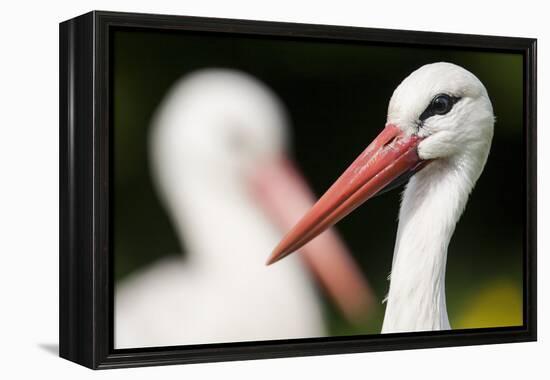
<point>76,256</point>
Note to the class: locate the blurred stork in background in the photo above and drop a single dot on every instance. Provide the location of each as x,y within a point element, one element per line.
<point>218,155</point>
<point>437,137</point>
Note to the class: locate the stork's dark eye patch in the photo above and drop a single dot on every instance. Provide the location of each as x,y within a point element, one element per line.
<point>439,105</point>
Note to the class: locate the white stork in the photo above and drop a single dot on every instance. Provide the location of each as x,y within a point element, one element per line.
<point>219,163</point>
<point>438,133</point>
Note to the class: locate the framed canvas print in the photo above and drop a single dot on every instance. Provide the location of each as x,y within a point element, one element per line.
<point>237,189</point>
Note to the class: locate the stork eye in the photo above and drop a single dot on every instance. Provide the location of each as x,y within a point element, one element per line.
<point>440,105</point>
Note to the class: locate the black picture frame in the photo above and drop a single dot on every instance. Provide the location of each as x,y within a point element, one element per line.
<point>86,276</point>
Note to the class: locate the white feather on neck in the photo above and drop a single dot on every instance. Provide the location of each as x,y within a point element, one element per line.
<point>433,202</point>
<point>204,209</point>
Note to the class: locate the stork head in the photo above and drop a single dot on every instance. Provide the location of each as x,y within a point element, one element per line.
<point>216,126</point>
<point>439,112</point>
<point>447,107</point>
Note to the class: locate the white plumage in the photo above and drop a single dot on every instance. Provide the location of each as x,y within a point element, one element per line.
<point>223,292</point>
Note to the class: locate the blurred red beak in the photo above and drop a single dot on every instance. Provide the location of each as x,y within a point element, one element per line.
<point>285,197</point>
<point>389,157</point>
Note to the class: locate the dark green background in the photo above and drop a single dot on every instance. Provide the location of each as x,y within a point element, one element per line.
<point>336,95</point>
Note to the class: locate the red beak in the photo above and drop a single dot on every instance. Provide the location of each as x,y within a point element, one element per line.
<point>388,158</point>
<point>285,196</point>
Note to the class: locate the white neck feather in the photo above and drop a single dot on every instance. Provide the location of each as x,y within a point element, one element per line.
<point>432,204</point>
<point>214,218</point>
